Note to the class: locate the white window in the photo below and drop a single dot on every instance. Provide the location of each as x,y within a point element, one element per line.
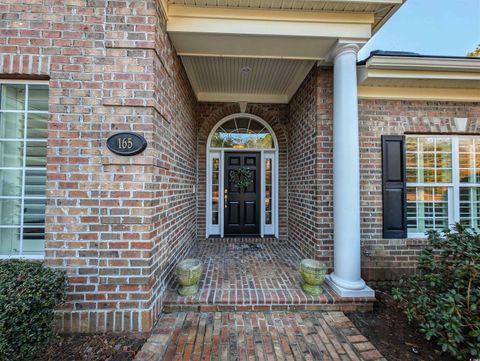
<point>443,182</point>
<point>23,146</point>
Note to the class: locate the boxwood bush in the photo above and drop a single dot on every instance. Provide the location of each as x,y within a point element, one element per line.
<point>444,297</point>
<point>29,291</point>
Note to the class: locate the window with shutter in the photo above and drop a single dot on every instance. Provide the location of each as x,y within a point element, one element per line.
<point>394,186</point>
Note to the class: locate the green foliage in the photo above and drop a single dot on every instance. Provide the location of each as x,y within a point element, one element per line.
<point>444,298</point>
<point>29,291</point>
<point>475,53</point>
<point>241,177</point>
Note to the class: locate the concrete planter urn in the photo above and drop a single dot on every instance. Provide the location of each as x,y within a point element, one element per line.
<point>188,273</point>
<point>313,273</point>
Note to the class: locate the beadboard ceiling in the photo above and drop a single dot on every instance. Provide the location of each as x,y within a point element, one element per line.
<point>245,79</point>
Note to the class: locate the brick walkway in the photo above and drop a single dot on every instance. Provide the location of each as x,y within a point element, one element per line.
<point>269,336</point>
<point>244,275</point>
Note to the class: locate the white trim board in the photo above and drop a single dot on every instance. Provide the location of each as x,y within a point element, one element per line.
<point>218,153</point>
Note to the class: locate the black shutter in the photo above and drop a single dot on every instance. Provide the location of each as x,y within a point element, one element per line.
<point>394,187</point>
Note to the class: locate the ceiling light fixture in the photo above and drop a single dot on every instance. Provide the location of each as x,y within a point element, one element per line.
<point>245,70</point>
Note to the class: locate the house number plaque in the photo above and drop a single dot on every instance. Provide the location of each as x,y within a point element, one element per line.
<point>126,143</point>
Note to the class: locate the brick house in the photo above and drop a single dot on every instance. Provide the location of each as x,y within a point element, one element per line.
<point>271,88</point>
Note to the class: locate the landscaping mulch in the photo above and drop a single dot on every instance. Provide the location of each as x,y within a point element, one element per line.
<point>106,347</point>
<point>387,328</point>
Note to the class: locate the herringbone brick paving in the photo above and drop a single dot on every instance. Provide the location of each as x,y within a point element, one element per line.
<point>248,274</point>
<point>276,335</point>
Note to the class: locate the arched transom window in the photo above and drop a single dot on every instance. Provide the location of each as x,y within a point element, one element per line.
<point>242,132</point>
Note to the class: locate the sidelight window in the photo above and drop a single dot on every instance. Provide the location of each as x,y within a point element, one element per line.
<point>215,189</point>
<point>268,191</point>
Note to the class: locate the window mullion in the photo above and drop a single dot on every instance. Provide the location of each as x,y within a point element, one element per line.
<point>473,210</point>
<point>473,191</point>
<point>420,210</point>
<point>22,203</point>
<point>455,206</point>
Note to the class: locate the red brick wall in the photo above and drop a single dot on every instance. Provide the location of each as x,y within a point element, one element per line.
<point>310,189</point>
<point>387,259</point>
<point>116,224</point>
<point>302,171</point>
<point>324,167</point>
<point>209,114</point>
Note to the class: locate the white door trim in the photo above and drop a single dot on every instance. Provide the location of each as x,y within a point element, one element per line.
<point>219,153</point>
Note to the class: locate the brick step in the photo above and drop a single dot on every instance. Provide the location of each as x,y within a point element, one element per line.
<point>294,299</point>
<point>232,241</point>
<point>346,307</point>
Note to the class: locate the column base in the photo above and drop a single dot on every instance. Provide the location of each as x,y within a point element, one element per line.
<point>349,289</point>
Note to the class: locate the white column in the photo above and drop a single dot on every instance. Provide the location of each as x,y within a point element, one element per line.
<point>346,279</point>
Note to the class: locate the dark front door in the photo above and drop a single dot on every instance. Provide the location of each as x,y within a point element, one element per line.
<point>242,205</point>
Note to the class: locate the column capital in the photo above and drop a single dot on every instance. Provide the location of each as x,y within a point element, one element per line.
<point>344,48</point>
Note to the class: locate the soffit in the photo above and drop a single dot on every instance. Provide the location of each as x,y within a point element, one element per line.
<point>258,80</point>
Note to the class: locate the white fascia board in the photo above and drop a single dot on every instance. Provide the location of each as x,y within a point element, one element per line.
<point>418,74</point>
<point>267,28</point>
<point>410,93</point>
<point>365,74</point>
<point>368,2</point>
<point>236,97</point>
<point>421,63</point>
<point>186,11</point>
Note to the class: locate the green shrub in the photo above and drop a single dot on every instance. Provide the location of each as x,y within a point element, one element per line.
<point>444,297</point>
<point>29,292</point>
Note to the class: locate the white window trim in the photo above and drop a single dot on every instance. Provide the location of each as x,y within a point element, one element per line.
<point>219,153</point>
<point>22,197</point>
<point>453,187</point>
<point>23,256</point>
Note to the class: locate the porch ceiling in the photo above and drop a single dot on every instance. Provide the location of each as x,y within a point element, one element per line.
<point>261,50</point>
<point>245,79</point>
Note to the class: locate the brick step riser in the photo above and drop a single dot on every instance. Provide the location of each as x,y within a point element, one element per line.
<point>237,240</point>
<point>346,307</point>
